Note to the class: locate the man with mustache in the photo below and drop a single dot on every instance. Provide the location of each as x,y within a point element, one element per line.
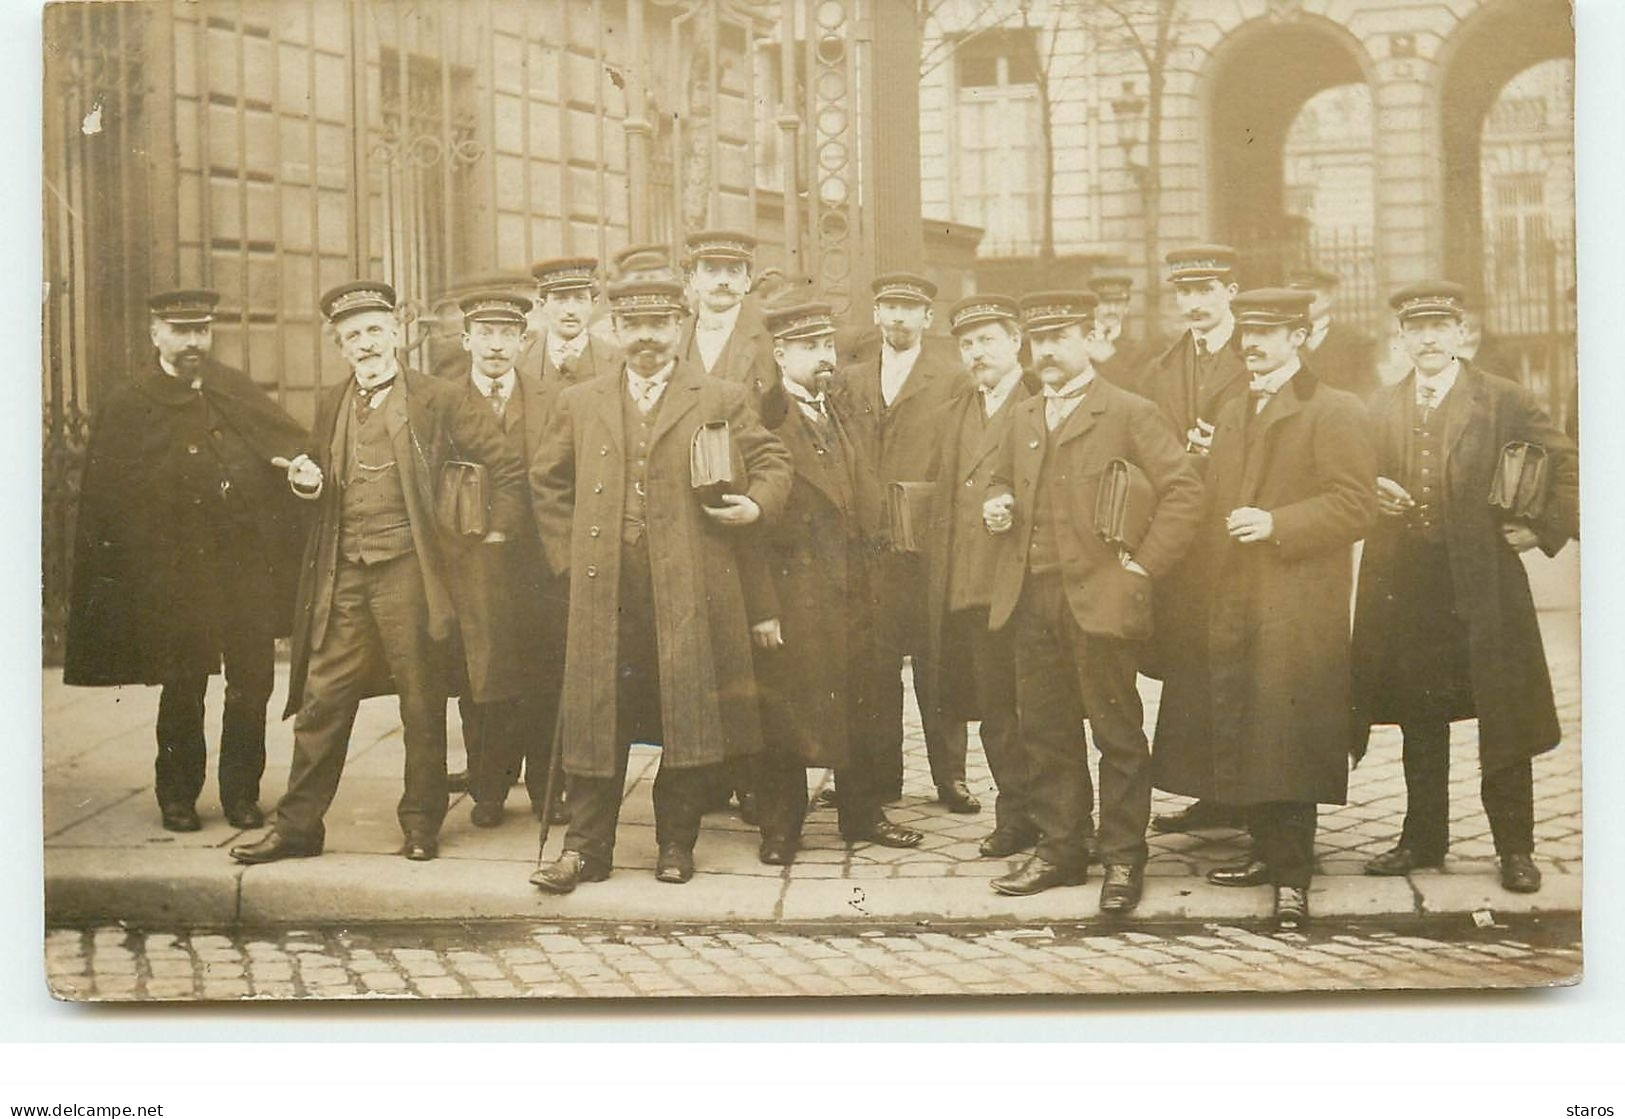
<point>1260,724</point>
<point>186,553</point>
<point>974,668</point>
<point>1342,356</point>
<point>1075,607</point>
<point>1114,352</point>
<point>1444,625</point>
<point>658,648</point>
<point>1191,382</point>
<point>568,352</point>
<point>381,571</point>
<point>815,650</point>
<point>726,338</point>
<point>516,605</point>
<point>896,398</point>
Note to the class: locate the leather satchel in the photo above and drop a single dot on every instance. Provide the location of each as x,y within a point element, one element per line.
<point>909,507</point>
<point>1522,480</point>
<point>710,462</point>
<point>460,501</point>
<point>1124,505</point>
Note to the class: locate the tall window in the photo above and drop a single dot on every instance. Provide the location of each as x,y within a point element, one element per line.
<point>998,149</point>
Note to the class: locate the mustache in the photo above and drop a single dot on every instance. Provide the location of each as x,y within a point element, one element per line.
<point>1253,352</point>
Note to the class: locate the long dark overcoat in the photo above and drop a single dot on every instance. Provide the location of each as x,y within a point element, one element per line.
<point>966,471</point>
<point>708,697</point>
<point>1182,594</point>
<point>439,422</point>
<point>506,596</point>
<point>818,690</point>
<point>1263,719</point>
<point>135,611</point>
<point>1511,687</point>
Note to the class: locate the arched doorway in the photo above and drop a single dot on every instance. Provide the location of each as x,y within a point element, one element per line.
<point>1506,107</point>
<point>1265,81</point>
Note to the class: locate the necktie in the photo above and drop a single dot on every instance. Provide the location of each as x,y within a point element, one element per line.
<point>647,392</point>
<point>499,403</point>
<point>1055,404</point>
<point>1201,347</point>
<point>366,394</point>
<point>1426,401</point>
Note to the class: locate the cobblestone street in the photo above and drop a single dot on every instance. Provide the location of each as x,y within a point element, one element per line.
<point>506,960</point>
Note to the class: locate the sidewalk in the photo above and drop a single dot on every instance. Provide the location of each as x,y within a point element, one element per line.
<point>107,859</point>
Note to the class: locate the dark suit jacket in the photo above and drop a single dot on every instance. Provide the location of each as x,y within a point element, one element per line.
<point>1345,359</point>
<point>431,421</point>
<point>597,359</point>
<point>746,358</point>
<point>1165,382</point>
<point>1110,423</point>
<point>904,437</point>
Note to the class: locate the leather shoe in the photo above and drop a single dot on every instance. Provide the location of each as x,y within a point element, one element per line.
<point>956,796</point>
<point>1520,874</point>
<point>675,864</point>
<point>777,852</point>
<point>886,833</point>
<point>1397,862</point>
<point>420,849</point>
<point>747,808</point>
<point>457,782</point>
<point>487,815</point>
<point>244,815</point>
<point>1291,907</point>
<point>1249,872</point>
<point>825,798</point>
<point>1004,842</point>
<point>273,847</point>
<point>1121,891</point>
<point>180,817</point>
<point>562,874</point>
<point>1201,816</point>
<point>1036,875</point>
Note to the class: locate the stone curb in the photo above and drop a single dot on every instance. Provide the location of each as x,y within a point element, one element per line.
<point>204,888</point>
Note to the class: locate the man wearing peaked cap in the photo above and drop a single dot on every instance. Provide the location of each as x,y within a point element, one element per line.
<point>973,668</point>
<point>815,647</point>
<point>658,647</point>
<point>1423,657</point>
<point>1342,356</point>
<point>645,262</point>
<point>896,395</point>
<point>383,573</point>
<point>569,350</point>
<point>1253,721</point>
<point>507,594</point>
<point>186,552</point>
<point>1113,350</point>
<point>726,338</point>
<point>1076,607</point>
<point>1191,381</point>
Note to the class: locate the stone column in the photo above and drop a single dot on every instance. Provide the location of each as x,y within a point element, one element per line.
<point>895,72</point>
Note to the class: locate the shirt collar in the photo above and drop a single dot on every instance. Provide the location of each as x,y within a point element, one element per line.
<point>388,374</point>
<point>1275,381</point>
<point>168,368</point>
<point>800,393</point>
<point>484,384</point>
<point>1219,337</point>
<point>993,398</point>
<point>1441,382</point>
<point>659,377</point>
<point>558,348</point>
<point>1074,387</point>
<point>890,357</point>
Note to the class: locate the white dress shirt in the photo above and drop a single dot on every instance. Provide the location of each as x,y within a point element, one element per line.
<point>711,334</point>
<point>813,404</point>
<point>503,387</point>
<point>895,366</point>
<point>647,391</point>
<point>1441,383</point>
<point>559,351</point>
<point>1059,403</point>
<point>993,398</point>
<point>1273,382</point>
<point>1219,337</point>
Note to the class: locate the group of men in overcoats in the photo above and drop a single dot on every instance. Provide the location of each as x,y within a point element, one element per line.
<point>593,598</point>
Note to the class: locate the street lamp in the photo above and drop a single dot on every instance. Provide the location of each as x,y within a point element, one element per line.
<point>1128,114</point>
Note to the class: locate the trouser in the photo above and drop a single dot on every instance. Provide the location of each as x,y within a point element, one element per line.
<point>1507,792</point>
<point>781,797</point>
<point>1064,675</point>
<point>1283,834</point>
<point>182,754</point>
<point>905,632</point>
<point>679,794</point>
<point>379,623</point>
<point>994,666</point>
<point>504,738</point>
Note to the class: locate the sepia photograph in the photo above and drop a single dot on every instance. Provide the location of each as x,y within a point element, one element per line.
<point>714,499</point>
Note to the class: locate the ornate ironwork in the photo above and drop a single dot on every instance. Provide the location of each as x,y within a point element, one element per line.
<point>835,139</point>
